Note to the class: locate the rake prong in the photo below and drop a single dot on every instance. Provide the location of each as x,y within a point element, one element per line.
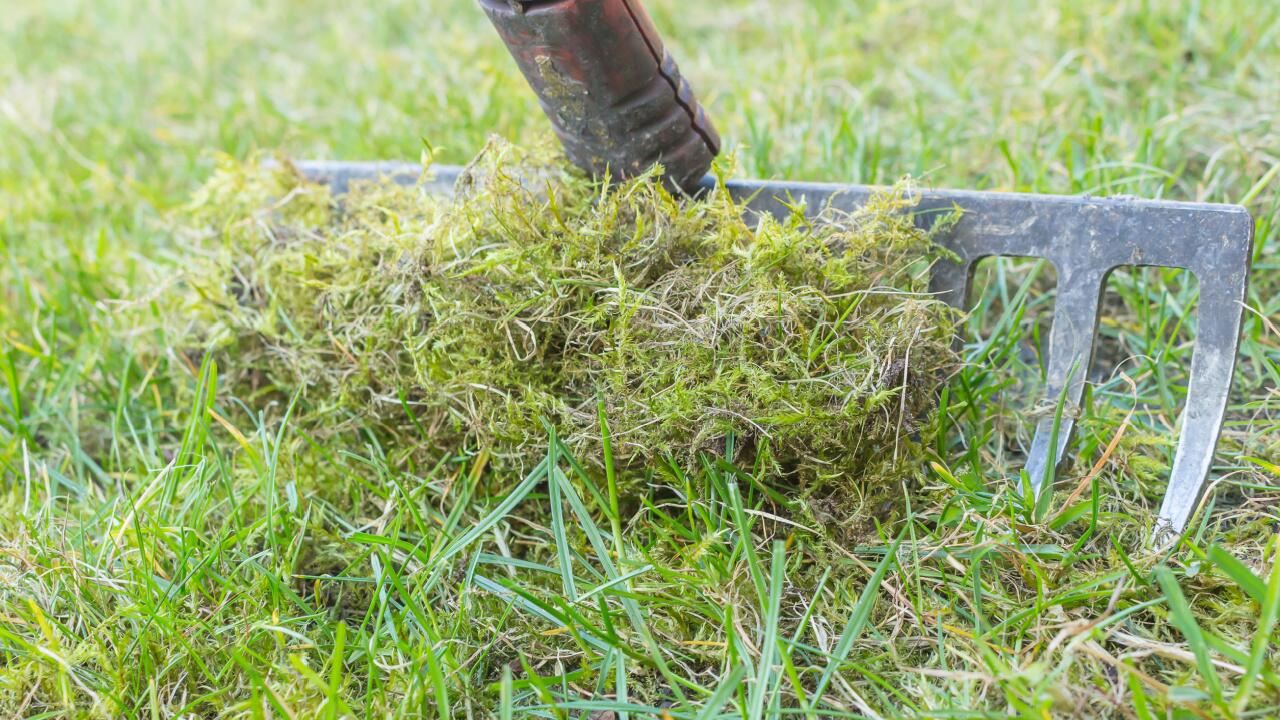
<point>1213,363</point>
<point>1075,323</point>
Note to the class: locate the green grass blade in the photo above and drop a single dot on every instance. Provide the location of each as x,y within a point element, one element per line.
<point>558,530</point>
<point>615,582</point>
<point>1262,635</point>
<point>506,703</point>
<point>1185,620</point>
<point>769,645</point>
<point>724,690</point>
<point>1252,585</point>
<point>487,523</point>
<point>858,618</point>
<point>743,527</point>
<point>611,477</point>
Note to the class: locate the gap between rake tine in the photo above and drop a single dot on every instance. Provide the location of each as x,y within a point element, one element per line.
<point>949,282</point>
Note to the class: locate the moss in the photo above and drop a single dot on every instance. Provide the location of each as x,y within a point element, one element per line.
<point>533,292</point>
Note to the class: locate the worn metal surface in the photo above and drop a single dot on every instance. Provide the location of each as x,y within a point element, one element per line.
<point>1085,239</point>
<point>609,86</point>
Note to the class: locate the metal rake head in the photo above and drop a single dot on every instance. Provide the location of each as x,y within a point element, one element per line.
<point>1085,239</point>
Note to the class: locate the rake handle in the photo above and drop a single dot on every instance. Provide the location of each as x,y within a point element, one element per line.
<point>613,93</point>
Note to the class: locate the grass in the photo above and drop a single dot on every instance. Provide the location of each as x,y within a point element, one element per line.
<point>167,550</point>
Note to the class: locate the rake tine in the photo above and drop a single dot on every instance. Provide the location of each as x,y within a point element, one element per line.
<point>1075,323</point>
<point>1213,364</point>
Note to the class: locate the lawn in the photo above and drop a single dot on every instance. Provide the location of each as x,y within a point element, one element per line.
<point>170,547</point>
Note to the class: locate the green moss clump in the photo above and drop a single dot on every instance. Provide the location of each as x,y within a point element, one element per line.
<point>534,293</point>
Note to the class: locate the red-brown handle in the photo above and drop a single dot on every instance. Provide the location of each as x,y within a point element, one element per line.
<point>614,95</point>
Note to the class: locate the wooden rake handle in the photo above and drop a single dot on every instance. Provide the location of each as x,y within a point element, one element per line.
<point>613,93</point>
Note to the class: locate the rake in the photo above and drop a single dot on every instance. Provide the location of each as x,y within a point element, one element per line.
<point>619,105</point>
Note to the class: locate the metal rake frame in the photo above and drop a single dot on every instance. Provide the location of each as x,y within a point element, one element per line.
<point>1085,239</point>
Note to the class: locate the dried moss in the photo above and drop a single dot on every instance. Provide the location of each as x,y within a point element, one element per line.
<point>533,293</point>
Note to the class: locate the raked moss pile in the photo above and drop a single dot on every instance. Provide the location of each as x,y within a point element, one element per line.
<point>535,298</point>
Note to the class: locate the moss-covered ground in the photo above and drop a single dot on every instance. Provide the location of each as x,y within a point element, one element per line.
<point>205,511</point>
